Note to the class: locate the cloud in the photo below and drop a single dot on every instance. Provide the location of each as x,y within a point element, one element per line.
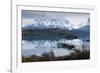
<point>27,21</point>
<point>75,19</point>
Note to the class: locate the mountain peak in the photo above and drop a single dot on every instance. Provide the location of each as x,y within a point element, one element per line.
<point>49,23</point>
<point>54,23</point>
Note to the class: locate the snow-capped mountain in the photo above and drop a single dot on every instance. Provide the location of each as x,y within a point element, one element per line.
<point>53,23</point>
<point>49,23</point>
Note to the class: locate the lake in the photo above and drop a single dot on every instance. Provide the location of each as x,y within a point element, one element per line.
<point>38,47</point>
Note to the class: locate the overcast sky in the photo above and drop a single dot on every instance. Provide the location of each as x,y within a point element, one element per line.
<point>28,16</point>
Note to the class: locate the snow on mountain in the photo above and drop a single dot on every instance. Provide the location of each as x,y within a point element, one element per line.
<point>49,23</point>
<point>53,23</point>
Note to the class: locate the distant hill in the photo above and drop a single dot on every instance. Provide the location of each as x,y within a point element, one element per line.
<point>83,32</point>
<point>50,34</point>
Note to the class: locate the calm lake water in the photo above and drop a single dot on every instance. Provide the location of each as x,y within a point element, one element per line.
<point>38,47</point>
